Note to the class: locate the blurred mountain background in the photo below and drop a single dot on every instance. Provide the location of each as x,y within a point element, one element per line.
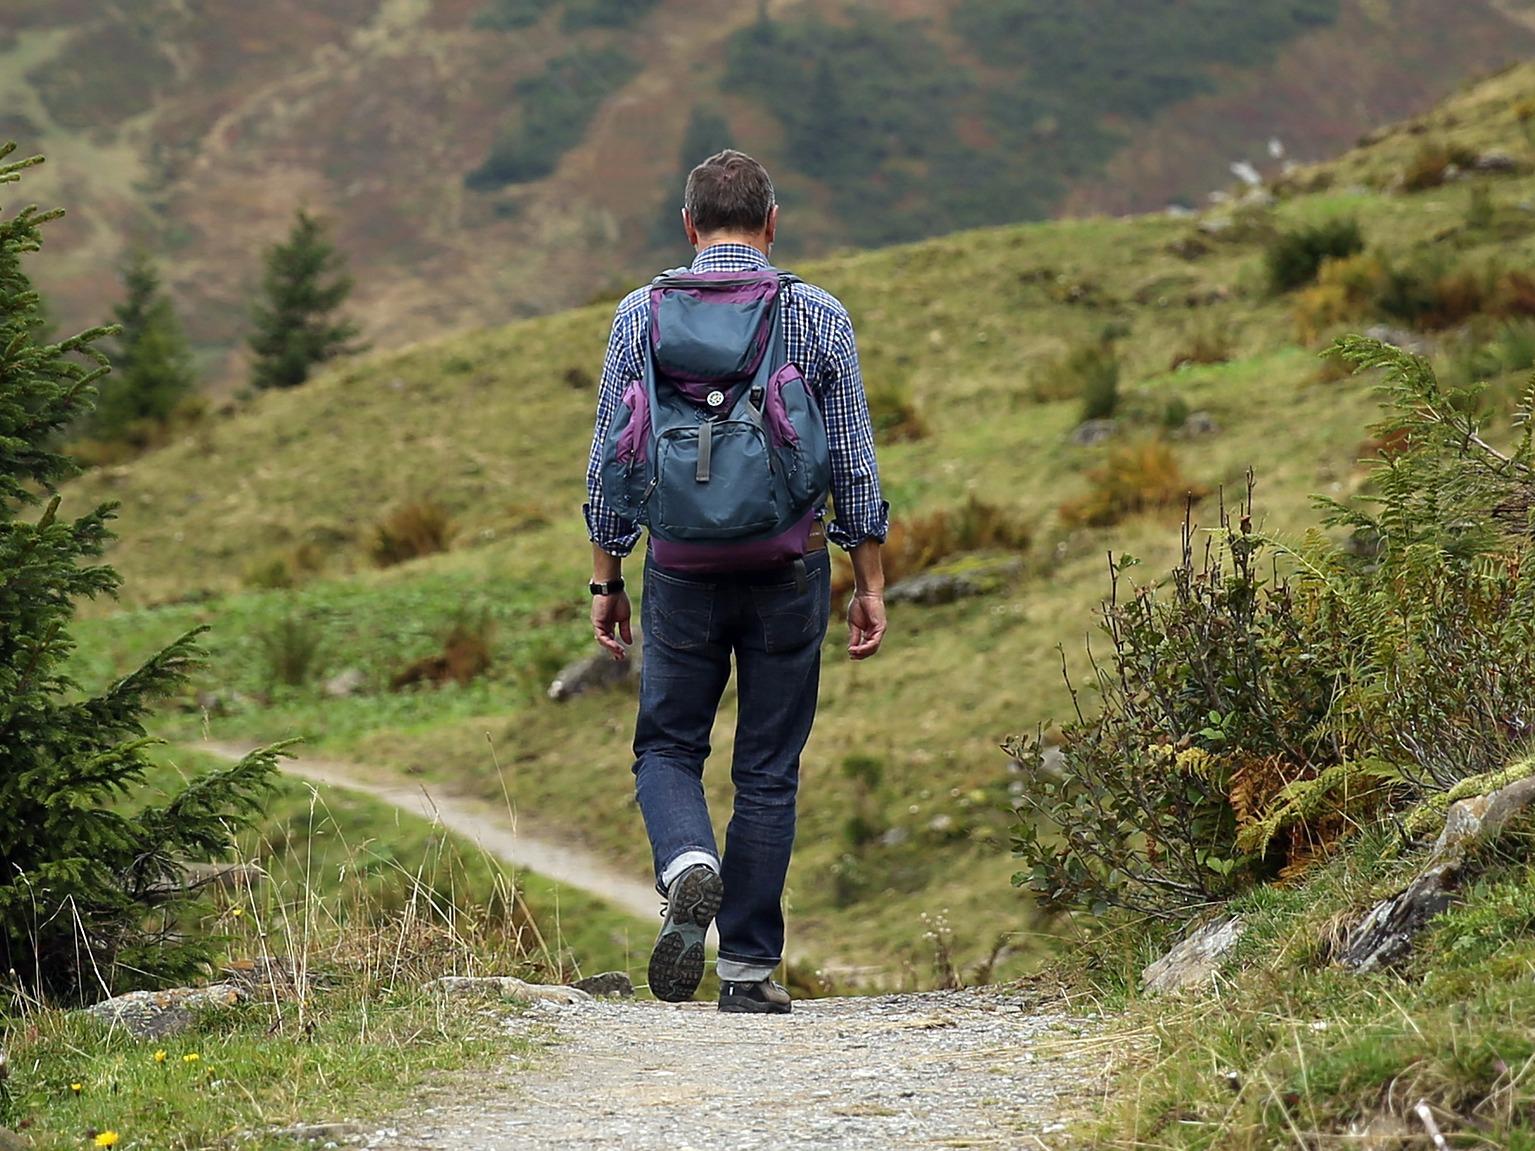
<point>481,160</point>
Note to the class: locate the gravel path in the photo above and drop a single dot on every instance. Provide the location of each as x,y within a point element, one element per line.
<point>977,1068</point>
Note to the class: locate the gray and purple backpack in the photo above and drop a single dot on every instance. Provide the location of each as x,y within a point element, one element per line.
<point>720,450</point>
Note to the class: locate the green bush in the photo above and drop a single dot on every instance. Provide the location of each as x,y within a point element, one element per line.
<point>1292,259</point>
<point>1250,719</point>
<point>1213,695</point>
<point>1088,373</point>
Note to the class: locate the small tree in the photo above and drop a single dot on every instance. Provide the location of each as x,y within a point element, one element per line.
<point>152,368</point>
<point>90,878</point>
<point>296,320</point>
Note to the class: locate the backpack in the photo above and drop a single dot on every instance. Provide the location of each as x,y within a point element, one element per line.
<point>720,449</point>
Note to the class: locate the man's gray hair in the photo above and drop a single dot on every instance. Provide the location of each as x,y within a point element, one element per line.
<point>729,192</point>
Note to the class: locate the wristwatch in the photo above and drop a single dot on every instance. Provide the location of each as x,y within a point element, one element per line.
<point>607,587</point>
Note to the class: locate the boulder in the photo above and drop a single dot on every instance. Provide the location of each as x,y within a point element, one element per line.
<point>1386,934</point>
<point>597,672</point>
<point>345,684</point>
<point>508,987</point>
<point>1500,163</point>
<point>609,983</point>
<point>947,585</point>
<point>156,1014</point>
<point>1091,432</point>
<point>10,1141</point>
<point>1195,960</point>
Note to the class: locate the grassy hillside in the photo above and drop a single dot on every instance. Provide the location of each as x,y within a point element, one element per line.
<point>485,159</point>
<point>963,336</point>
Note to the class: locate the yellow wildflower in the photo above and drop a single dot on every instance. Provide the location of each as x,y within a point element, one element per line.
<point>159,1057</point>
<point>237,912</point>
<point>106,1139</point>
<point>191,1057</point>
<point>77,1087</point>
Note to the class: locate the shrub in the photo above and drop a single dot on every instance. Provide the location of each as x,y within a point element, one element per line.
<point>1431,163</point>
<point>291,649</point>
<point>895,414</point>
<point>922,542</point>
<point>419,528</point>
<point>1293,259</point>
<point>1429,293</point>
<point>1207,343</point>
<point>1250,720</point>
<point>1345,290</point>
<point>1136,477</point>
<point>1212,700</point>
<point>464,657</point>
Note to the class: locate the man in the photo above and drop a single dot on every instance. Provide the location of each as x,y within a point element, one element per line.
<point>772,621</point>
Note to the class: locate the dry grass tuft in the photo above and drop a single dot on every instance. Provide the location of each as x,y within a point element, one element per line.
<point>1137,477</point>
<point>419,528</point>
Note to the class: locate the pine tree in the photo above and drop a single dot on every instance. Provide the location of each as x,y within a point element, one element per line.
<point>151,366</point>
<point>90,898</point>
<point>296,321</point>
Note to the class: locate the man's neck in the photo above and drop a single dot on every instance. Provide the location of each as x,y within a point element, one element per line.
<point>757,242</point>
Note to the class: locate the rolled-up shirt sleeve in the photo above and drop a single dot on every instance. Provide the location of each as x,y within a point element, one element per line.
<point>607,529</point>
<point>860,510</point>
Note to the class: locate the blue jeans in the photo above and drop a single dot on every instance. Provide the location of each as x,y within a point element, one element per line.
<point>773,625</point>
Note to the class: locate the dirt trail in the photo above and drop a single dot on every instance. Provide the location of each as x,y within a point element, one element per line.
<point>980,1068</point>
<point>493,829</point>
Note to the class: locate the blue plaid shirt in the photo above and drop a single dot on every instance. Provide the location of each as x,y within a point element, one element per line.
<point>819,339</point>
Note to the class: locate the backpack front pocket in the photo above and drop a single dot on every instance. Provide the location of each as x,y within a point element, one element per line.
<point>797,426</point>
<point>715,482</point>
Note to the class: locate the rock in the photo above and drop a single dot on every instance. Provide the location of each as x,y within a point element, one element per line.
<point>1386,934</point>
<point>10,1141</point>
<point>1199,424</point>
<point>894,837</point>
<point>155,1014</point>
<point>1091,432</point>
<point>508,987</point>
<point>345,684</point>
<point>1501,163</point>
<point>597,672</point>
<point>612,983</point>
<point>1398,338</point>
<point>1193,961</point>
<point>946,586</point>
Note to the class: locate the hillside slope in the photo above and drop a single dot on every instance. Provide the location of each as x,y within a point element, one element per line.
<point>968,331</point>
<point>484,159</point>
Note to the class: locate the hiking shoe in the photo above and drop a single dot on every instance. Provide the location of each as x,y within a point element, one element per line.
<point>677,960</point>
<point>762,997</point>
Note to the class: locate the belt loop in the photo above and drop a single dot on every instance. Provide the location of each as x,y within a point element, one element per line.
<point>801,577</point>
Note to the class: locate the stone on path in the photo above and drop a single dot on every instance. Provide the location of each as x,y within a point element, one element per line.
<point>608,983</point>
<point>596,672</point>
<point>507,987</point>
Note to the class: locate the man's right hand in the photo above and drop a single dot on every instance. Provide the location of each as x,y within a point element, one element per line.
<point>610,623</point>
<point>865,624</point>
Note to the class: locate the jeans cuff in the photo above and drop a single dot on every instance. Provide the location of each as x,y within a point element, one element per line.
<point>743,971</point>
<point>688,858</point>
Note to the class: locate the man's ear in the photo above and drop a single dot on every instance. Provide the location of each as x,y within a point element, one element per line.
<point>772,225</point>
<point>687,226</point>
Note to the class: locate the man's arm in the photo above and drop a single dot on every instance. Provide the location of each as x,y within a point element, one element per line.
<point>866,610</point>
<point>610,613</point>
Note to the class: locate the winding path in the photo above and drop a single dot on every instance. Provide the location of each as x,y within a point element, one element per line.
<point>491,828</point>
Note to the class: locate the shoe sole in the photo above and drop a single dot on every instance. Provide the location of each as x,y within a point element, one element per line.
<point>677,960</point>
<point>740,1005</point>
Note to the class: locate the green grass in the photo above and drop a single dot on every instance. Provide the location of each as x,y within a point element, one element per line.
<point>1289,1050</point>
<point>242,1072</point>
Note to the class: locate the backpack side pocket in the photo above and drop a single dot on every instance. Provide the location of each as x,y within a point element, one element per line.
<point>626,471</point>
<point>799,437</point>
